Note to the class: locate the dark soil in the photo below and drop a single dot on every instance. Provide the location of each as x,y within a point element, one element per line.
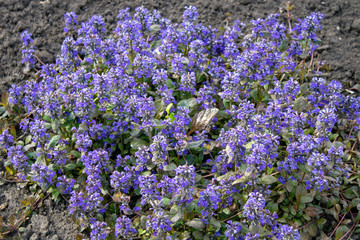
<point>44,19</point>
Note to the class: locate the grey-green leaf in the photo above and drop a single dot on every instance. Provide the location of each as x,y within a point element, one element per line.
<point>196,144</point>
<point>196,223</point>
<point>268,179</point>
<point>188,103</point>
<point>55,124</point>
<point>170,167</point>
<point>54,140</point>
<point>137,143</point>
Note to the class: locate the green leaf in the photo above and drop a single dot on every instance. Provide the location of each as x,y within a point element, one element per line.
<point>55,124</point>
<point>165,201</point>
<point>136,143</point>
<point>198,235</point>
<point>75,153</point>
<point>54,140</point>
<point>70,166</point>
<point>154,27</point>
<point>300,192</point>
<point>2,109</point>
<point>13,131</point>
<point>311,211</point>
<point>284,45</point>
<point>168,108</point>
<point>216,224</point>
<point>71,117</point>
<point>196,144</point>
<point>136,130</point>
<point>302,167</point>
<point>226,211</point>
<point>301,104</point>
<point>268,179</point>
<point>146,173</point>
<point>177,217</point>
<point>196,223</point>
<point>46,118</point>
<point>188,103</point>
<point>174,209</point>
<point>28,146</point>
<point>171,167</point>
<point>55,195</point>
<point>321,221</point>
<point>226,176</point>
<point>272,207</point>
<point>155,44</point>
<point>340,232</point>
<point>28,139</point>
<point>306,199</point>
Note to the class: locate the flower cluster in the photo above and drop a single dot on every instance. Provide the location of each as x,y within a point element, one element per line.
<point>168,131</point>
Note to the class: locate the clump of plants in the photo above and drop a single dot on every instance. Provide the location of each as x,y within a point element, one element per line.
<point>181,131</point>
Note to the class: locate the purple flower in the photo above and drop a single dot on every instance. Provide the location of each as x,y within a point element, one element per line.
<point>70,21</point>
<point>233,230</point>
<point>17,157</point>
<point>6,139</point>
<point>124,228</point>
<point>319,163</point>
<point>254,210</point>
<point>122,181</point>
<point>98,230</point>
<point>26,38</point>
<point>184,181</point>
<point>145,111</point>
<point>38,131</point>
<point>43,175</point>
<point>286,232</point>
<point>325,122</point>
<point>209,200</point>
<point>148,189</point>
<point>190,14</point>
<point>158,223</point>
<point>308,27</point>
<point>78,202</point>
<point>158,151</point>
<point>65,184</point>
<point>28,56</point>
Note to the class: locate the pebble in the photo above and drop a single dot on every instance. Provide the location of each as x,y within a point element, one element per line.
<point>356,24</point>
<point>39,223</point>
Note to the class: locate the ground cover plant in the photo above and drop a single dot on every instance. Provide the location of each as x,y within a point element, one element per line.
<point>165,131</point>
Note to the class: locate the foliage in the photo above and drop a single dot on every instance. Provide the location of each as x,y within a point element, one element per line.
<point>178,131</point>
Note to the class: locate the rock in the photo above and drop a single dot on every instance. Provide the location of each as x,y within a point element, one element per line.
<point>55,237</point>
<point>35,236</point>
<point>356,25</point>
<point>39,224</point>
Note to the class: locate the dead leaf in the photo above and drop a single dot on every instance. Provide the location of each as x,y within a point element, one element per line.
<point>202,119</point>
<point>312,211</point>
<point>3,206</point>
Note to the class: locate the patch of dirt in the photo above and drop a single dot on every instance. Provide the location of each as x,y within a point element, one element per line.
<point>48,221</point>
<point>44,19</point>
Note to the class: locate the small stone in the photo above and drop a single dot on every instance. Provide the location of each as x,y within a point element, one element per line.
<point>39,223</point>
<point>356,24</point>
<point>35,236</point>
<point>55,237</point>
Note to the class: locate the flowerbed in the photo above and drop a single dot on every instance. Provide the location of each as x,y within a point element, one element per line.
<point>165,131</point>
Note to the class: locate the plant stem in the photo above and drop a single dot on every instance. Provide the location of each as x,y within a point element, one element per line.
<point>303,66</point>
